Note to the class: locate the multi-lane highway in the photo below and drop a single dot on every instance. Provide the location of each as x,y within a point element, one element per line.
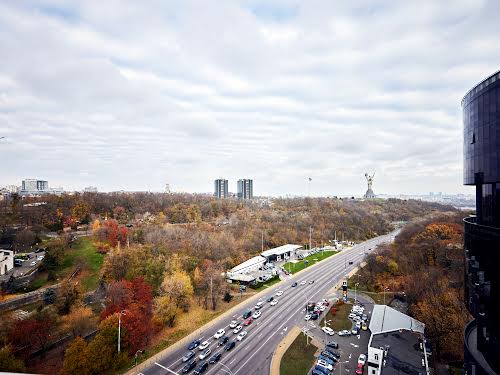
<point>253,354</point>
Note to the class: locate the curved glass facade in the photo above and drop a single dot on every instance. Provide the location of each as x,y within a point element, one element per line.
<point>481,117</point>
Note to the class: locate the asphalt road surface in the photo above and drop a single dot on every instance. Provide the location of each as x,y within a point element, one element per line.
<point>253,354</point>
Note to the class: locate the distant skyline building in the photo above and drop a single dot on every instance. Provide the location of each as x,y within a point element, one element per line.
<point>245,189</point>
<point>34,185</point>
<point>90,189</point>
<point>481,153</point>
<point>221,188</point>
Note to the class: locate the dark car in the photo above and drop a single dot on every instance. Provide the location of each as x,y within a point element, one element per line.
<point>189,355</point>
<point>334,352</point>
<point>329,355</point>
<point>270,299</point>
<point>229,346</point>
<point>194,344</point>
<point>223,340</point>
<point>316,372</point>
<point>314,316</point>
<point>189,366</point>
<point>350,262</point>
<point>247,314</point>
<point>215,358</point>
<point>294,285</point>
<point>332,344</point>
<point>201,368</point>
<point>322,370</point>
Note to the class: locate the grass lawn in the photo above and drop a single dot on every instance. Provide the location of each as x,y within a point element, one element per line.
<point>340,320</point>
<point>299,358</point>
<point>378,297</point>
<point>312,259</point>
<point>267,285</point>
<point>83,254</point>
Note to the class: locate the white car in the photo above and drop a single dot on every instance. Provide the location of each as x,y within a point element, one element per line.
<point>325,365</point>
<point>322,308</point>
<point>259,305</point>
<point>303,282</point>
<point>241,335</point>
<point>219,334</point>
<point>256,315</point>
<point>204,345</point>
<point>274,302</point>
<point>307,317</point>
<point>205,354</point>
<point>328,331</point>
<point>33,263</point>
<point>233,324</point>
<point>237,329</point>
<point>362,359</point>
<point>279,293</point>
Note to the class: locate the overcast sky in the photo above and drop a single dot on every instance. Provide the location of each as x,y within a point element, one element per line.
<point>132,95</point>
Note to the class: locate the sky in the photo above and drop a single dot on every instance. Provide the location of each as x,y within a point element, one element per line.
<point>131,95</point>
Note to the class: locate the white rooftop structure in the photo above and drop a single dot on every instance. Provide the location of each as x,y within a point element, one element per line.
<point>249,265</point>
<point>241,277</point>
<point>280,250</point>
<point>387,319</point>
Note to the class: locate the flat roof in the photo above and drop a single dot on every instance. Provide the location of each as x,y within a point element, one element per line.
<point>249,263</point>
<point>403,352</point>
<point>280,250</point>
<point>241,277</point>
<point>387,319</point>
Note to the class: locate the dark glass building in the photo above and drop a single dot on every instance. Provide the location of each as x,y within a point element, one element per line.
<point>481,117</point>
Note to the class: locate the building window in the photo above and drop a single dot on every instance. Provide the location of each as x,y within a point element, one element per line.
<point>473,140</point>
<point>376,357</point>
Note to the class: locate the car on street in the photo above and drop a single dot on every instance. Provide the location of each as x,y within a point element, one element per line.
<point>359,369</point>
<point>223,340</point>
<point>215,358</point>
<point>362,359</point>
<point>307,317</point>
<point>270,299</point>
<point>294,285</point>
<point>204,345</point>
<point>237,329</point>
<point>303,282</point>
<point>274,303</point>
<point>201,368</point>
<point>189,366</point>
<point>248,321</point>
<point>328,331</point>
<point>194,344</point>
<point>204,354</point>
<point>233,324</point>
<point>259,305</point>
<point>256,315</point>
<point>242,335</point>
<point>229,346</point>
<point>344,332</point>
<point>219,334</point>
<point>247,314</point>
<point>332,344</point>
<point>279,293</point>
<point>189,355</point>
<point>311,281</point>
<point>350,262</point>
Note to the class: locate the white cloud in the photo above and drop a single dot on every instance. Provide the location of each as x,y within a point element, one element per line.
<point>124,95</point>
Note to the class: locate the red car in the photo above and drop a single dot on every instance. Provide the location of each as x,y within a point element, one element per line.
<point>248,322</point>
<point>359,369</point>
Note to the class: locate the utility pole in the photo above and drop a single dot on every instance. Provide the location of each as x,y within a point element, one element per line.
<point>355,285</point>
<point>262,241</point>
<point>211,292</point>
<point>120,327</point>
<point>310,237</point>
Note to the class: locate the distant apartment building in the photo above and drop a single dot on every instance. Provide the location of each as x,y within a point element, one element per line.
<point>90,189</point>
<point>245,189</point>
<point>221,188</point>
<point>33,187</point>
<point>481,152</point>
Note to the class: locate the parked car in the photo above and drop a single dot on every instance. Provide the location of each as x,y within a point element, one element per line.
<point>188,356</point>
<point>362,359</point>
<point>194,344</point>
<point>229,346</point>
<point>364,326</point>
<point>332,344</point>
<point>215,358</point>
<point>321,370</point>
<point>307,317</point>
<point>189,366</point>
<point>334,352</point>
<point>328,331</point>
<point>326,359</point>
<point>359,369</point>
<point>355,331</point>
<point>344,332</point>
<point>314,316</point>
<point>326,353</point>
<point>325,364</point>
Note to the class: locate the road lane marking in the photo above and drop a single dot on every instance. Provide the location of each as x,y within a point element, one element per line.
<point>163,367</point>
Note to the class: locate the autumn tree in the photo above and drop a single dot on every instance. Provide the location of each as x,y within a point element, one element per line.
<point>8,362</point>
<point>79,321</point>
<point>76,361</point>
<point>68,295</point>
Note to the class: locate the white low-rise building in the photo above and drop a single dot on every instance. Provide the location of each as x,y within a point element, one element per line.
<point>397,344</point>
<point>6,261</point>
<point>250,265</point>
<point>280,253</point>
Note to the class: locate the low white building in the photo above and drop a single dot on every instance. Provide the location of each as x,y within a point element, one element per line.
<point>250,265</point>
<point>6,261</point>
<point>280,253</point>
<point>397,344</point>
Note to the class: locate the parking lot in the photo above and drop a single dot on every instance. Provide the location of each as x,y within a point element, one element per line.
<point>350,347</point>
<point>26,267</point>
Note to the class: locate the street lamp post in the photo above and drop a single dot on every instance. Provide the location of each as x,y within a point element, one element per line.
<point>385,288</point>
<point>355,285</point>
<point>137,352</point>
<point>120,327</point>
